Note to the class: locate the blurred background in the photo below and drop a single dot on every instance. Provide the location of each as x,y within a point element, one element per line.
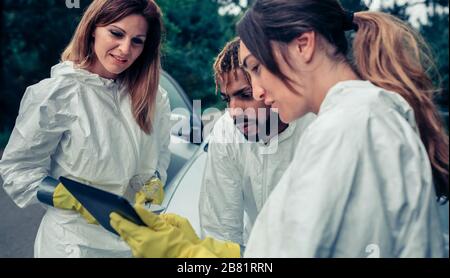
<point>35,32</point>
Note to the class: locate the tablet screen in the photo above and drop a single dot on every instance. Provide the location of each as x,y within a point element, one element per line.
<point>101,203</point>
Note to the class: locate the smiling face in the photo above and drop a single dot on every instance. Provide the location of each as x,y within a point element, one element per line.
<point>274,92</point>
<point>118,45</point>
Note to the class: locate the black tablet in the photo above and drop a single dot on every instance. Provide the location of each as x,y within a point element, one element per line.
<point>101,203</point>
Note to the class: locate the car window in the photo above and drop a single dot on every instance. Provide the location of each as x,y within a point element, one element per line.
<point>175,99</point>
<point>181,150</point>
<point>182,196</point>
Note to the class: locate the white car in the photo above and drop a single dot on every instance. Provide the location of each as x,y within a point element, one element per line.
<point>185,172</point>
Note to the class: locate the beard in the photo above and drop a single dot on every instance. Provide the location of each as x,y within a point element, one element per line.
<point>254,129</point>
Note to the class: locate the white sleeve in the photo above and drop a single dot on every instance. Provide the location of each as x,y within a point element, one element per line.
<point>43,118</point>
<point>303,213</point>
<point>221,197</point>
<point>353,183</point>
<point>164,127</point>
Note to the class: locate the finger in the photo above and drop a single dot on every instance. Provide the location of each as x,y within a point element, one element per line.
<point>150,219</point>
<point>176,220</point>
<point>125,228</point>
<point>114,216</point>
<point>140,198</point>
<point>135,246</point>
<point>159,195</point>
<point>169,219</point>
<point>172,219</point>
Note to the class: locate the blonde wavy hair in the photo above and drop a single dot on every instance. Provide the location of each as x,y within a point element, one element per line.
<point>399,60</point>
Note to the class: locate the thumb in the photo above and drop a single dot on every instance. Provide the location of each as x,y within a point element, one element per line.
<point>140,198</point>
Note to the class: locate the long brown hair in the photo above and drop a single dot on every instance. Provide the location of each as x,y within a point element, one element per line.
<point>142,78</point>
<point>386,51</point>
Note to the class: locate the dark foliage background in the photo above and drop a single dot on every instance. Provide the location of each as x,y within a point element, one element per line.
<point>34,33</point>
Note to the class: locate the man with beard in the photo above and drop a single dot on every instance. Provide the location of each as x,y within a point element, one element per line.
<point>249,150</point>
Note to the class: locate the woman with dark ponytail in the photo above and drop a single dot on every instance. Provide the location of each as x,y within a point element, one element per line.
<point>368,174</point>
<point>362,183</point>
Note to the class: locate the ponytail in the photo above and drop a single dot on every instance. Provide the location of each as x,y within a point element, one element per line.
<point>393,56</point>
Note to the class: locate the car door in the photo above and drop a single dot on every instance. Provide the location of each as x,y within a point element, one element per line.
<point>180,147</point>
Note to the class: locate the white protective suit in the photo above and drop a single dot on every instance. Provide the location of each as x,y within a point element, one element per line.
<point>240,175</point>
<point>360,185</point>
<point>79,125</point>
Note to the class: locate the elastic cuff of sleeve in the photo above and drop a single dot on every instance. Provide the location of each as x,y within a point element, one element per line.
<point>46,190</point>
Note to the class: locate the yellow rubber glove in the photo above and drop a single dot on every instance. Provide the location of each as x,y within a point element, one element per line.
<point>162,240</point>
<point>213,245</point>
<point>183,224</point>
<point>63,199</point>
<point>152,191</point>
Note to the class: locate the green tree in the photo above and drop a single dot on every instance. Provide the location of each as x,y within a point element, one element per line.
<point>435,32</point>
<point>354,5</point>
<point>33,35</point>
<point>195,35</point>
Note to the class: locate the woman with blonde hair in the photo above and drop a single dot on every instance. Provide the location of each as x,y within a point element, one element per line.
<point>367,173</point>
<point>100,118</point>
